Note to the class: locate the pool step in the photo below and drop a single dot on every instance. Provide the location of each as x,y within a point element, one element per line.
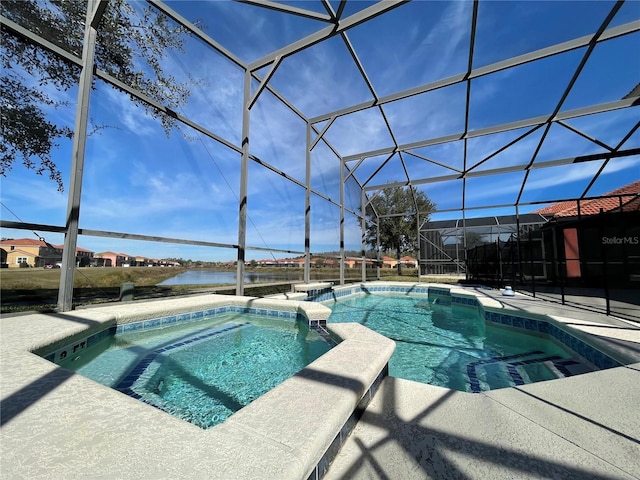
<point>557,365</point>
<point>126,384</point>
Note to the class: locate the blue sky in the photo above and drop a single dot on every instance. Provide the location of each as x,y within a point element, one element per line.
<point>137,180</point>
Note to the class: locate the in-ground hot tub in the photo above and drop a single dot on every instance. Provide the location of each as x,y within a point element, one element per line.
<point>202,368</point>
<point>50,413</point>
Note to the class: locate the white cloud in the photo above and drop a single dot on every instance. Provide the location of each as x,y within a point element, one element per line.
<point>581,171</point>
<point>129,114</point>
<point>33,198</point>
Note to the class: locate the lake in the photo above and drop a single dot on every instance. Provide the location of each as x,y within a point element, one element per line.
<point>208,277</point>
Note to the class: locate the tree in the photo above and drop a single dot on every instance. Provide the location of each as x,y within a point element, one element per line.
<point>472,239</point>
<point>398,230</point>
<point>129,47</point>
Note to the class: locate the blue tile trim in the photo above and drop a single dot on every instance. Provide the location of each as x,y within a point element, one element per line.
<point>93,339</point>
<point>473,302</point>
<point>189,317</point>
<point>585,350</point>
<point>170,320</point>
<point>371,289</point>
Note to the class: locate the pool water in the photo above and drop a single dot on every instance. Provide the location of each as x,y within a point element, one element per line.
<point>205,371</point>
<point>453,347</point>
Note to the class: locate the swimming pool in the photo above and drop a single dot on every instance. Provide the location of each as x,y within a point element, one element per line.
<point>202,371</point>
<point>56,422</point>
<point>452,346</point>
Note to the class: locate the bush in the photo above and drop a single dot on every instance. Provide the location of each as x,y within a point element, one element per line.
<point>24,265</point>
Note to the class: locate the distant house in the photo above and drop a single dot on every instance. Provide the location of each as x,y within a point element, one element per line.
<point>282,262</point>
<point>330,263</point>
<point>406,262</point>
<point>409,262</point>
<point>291,262</point>
<point>109,259</point>
<point>141,261</point>
<point>389,262</point>
<point>356,262</point>
<point>267,263</point>
<point>350,262</point>
<point>37,253</point>
<point>164,263</point>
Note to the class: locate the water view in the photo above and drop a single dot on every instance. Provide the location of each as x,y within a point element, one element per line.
<point>219,277</point>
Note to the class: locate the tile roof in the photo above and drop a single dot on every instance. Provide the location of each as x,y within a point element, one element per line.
<point>625,199</point>
<point>24,242</point>
<point>29,242</point>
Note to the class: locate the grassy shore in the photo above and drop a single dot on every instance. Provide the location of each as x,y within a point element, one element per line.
<point>40,278</point>
<point>37,289</point>
<point>25,289</point>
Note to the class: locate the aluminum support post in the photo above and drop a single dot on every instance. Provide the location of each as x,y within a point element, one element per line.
<point>342,167</point>
<point>363,230</point>
<point>95,9</point>
<point>307,211</point>
<point>418,237</point>
<point>378,247</point>
<point>244,174</point>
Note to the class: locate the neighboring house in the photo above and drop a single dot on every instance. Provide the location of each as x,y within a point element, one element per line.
<point>282,262</point>
<point>163,263</point>
<point>389,262</point>
<point>83,257</point>
<point>406,261</point>
<point>409,262</point>
<point>624,199</point>
<point>267,263</point>
<point>356,262</point>
<point>37,253</point>
<point>291,262</point>
<point>20,256</point>
<point>330,263</point>
<point>129,260</point>
<point>109,259</point>
<point>141,261</point>
<point>350,262</point>
<point>594,242</point>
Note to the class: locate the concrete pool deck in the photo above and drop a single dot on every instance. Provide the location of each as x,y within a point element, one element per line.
<point>58,424</point>
<point>582,427</point>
